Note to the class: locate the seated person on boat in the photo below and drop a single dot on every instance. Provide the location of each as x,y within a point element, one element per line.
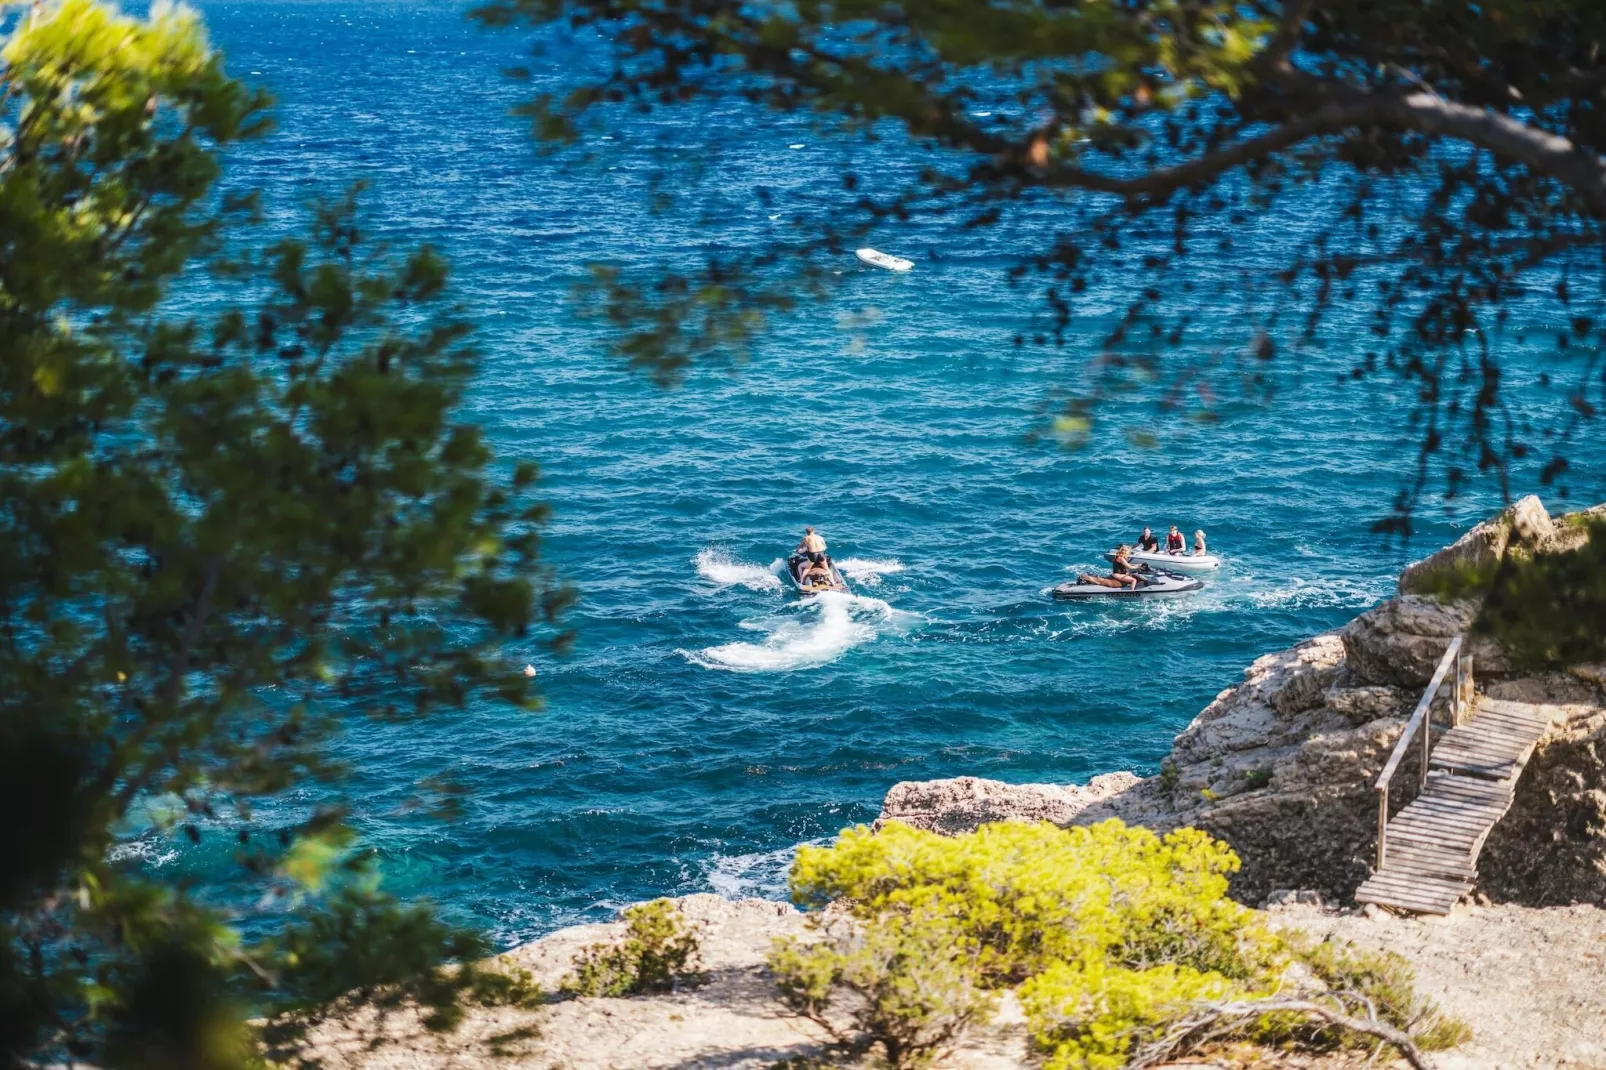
<point>1120,571</point>
<point>1147,543</point>
<point>1174,542</point>
<point>818,574</point>
<point>1199,544</point>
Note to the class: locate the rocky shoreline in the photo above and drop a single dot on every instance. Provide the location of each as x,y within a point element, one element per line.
<point>1282,765</point>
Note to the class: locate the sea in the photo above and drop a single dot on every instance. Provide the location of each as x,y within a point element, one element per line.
<point>707,720</point>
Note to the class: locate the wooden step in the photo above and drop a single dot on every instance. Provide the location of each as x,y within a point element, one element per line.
<point>1419,893</point>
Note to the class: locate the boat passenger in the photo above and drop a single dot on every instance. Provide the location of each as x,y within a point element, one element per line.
<point>1120,571</point>
<point>1147,543</point>
<point>1174,542</point>
<point>1199,544</point>
<point>817,574</point>
<point>813,546</point>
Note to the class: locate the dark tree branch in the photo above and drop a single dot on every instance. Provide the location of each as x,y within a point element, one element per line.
<point>1578,168</point>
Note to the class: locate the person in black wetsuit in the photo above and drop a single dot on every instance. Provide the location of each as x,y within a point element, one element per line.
<point>1174,542</point>
<point>1120,571</point>
<point>1147,543</point>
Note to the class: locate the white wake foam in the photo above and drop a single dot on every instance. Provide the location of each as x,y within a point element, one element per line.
<point>761,874</point>
<point>820,631</point>
<point>716,565</point>
<point>868,570</point>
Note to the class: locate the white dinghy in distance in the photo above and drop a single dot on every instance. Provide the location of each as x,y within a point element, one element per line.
<point>876,258</point>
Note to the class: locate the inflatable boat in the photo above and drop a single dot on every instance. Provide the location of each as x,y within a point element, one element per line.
<point>1151,584</point>
<point>876,258</point>
<point>800,561</point>
<point>1186,564</point>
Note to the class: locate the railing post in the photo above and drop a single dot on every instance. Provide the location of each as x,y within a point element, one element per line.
<point>1465,684</point>
<point>1455,699</point>
<point>1382,824</point>
<point>1427,747</point>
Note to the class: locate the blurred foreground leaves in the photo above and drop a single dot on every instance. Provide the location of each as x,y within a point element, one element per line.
<point>229,521</point>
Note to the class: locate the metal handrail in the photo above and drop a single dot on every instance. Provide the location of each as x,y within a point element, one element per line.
<point>1419,721</point>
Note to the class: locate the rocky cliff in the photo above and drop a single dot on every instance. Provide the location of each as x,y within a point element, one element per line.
<point>1282,765</point>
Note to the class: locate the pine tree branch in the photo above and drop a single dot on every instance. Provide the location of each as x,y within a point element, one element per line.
<point>1581,169</point>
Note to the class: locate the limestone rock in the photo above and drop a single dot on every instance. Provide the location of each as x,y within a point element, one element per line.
<point>1256,713</point>
<point>965,803</point>
<point>1401,641</point>
<point>1526,523</point>
<point>1368,702</point>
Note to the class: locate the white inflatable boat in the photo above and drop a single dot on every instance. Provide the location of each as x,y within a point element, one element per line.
<point>876,258</point>
<point>1187,564</point>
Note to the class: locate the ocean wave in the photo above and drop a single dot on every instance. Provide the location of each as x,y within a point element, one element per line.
<point>717,566</point>
<point>150,850</point>
<point>760,874</point>
<point>1326,593</point>
<point>869,570</point>
<point>834,624</point>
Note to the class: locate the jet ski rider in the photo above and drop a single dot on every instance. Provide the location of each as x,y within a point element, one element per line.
<point>1147,543</point>
<point>813,548</point>
<point>1120,571</point>
<point>1174,542</point>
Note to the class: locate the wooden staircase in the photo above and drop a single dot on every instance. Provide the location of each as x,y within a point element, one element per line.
<point>1427,855</point>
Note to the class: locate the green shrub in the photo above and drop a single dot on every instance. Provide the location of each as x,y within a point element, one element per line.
<point>1087,1015</point>
<point>905,982</point>
<point>658,950</point>
<point>1256,779</point>
<point>1032,895</point>
<point>1548,610</point>
<point>1123,945</point>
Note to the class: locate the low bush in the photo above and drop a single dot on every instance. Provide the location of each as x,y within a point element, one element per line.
<point>1032,895</point>
<point>1090,1014</point>
<point>1123,946</point>
<point>657,952</point>
<point>906,983</point>
<point>1547,610</point>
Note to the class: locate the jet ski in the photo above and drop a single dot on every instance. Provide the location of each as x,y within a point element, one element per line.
<point>1186,564</point>
<point>800,561</point>
<point>1152,583</point>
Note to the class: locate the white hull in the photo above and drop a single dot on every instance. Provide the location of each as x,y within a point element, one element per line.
<point>876,258</point>
<point>1150,585</point>
<point>1186,564</point>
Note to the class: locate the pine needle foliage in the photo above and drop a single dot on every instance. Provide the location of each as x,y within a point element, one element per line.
<point>1120,944</point>
<point>657,953</point>
<point>240,507</point>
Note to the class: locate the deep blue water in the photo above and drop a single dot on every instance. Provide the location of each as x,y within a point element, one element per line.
<point>706,721</point>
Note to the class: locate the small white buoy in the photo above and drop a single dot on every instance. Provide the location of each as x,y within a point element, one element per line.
<point>799,145</point>
<point>529,670</point>
<point>879,259</point>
